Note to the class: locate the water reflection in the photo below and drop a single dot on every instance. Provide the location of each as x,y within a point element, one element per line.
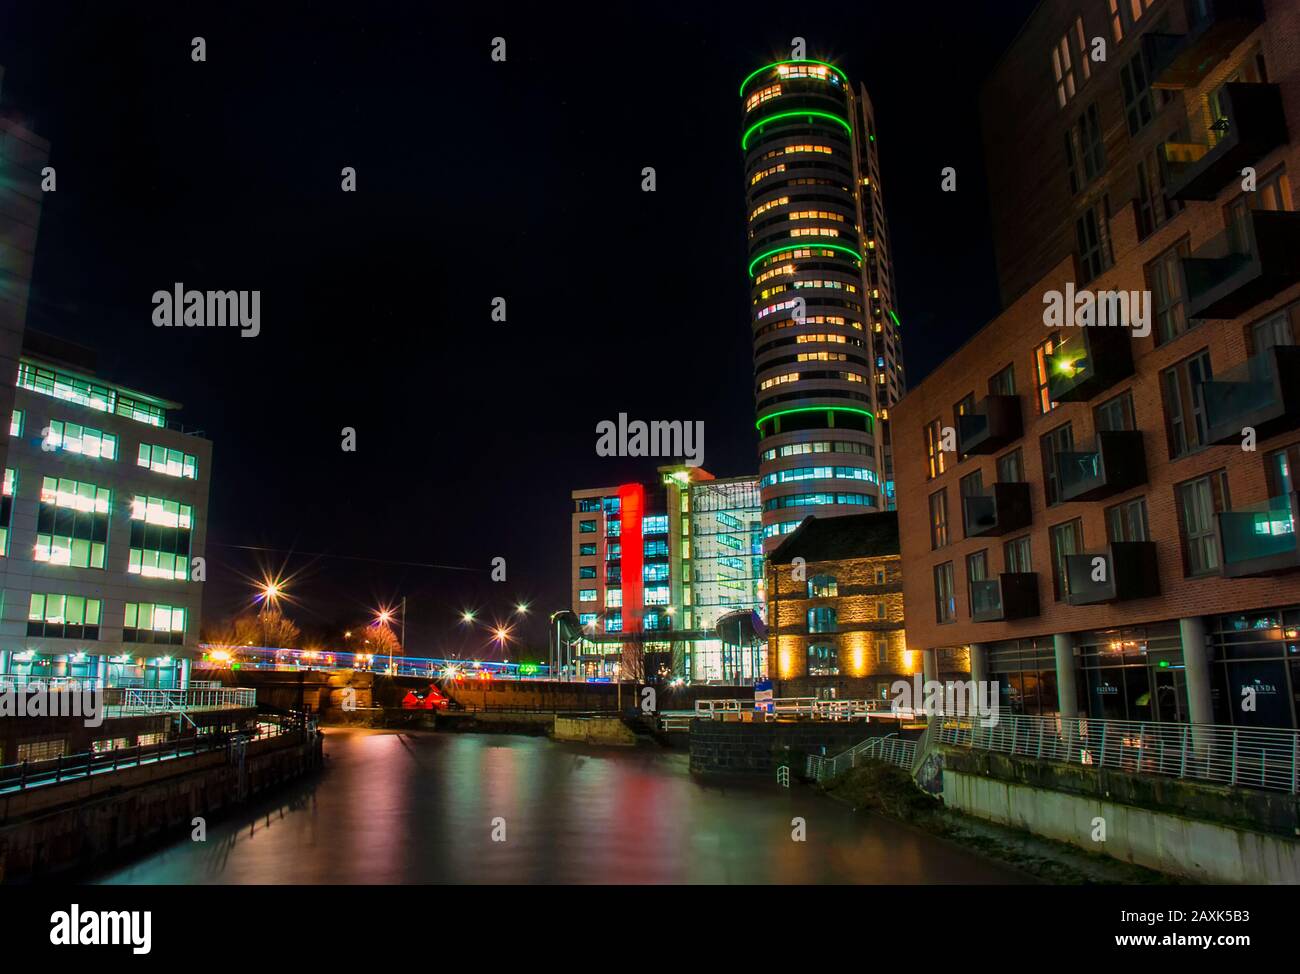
<point>413,808</point>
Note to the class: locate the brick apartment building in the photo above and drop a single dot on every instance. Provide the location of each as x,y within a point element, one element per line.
<point>1099,537</point>
<point>835,620</point>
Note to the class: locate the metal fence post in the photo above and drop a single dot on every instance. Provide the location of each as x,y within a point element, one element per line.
<point>1182,764</point>
<point>1234,756</point>
<point>1104,728</point>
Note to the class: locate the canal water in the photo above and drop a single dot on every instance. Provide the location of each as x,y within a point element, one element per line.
<point>424,807</point>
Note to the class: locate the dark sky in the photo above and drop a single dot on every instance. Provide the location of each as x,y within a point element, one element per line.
<point>475,180</point>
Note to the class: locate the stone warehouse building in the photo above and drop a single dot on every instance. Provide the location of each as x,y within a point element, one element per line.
<point>835,611</point>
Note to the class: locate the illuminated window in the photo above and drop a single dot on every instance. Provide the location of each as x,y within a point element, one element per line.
<point>818,499</point>
<point>83,392</point>
<point>814,232</point>
<point>823,587</point>
<point>72,524</point>
<point>1063,66</point>
<point>164,460</point>
<point>614,623</point>
<point>822,661</point>
<point>16,423</point>
<point>762,95</point>
<point>777,380</point>
<point>656,595</point>
<point>770,204</point>
<point>945,602</point>
<point>586,619</point>
<point>76,438</point>
<point>764,173</point>
<point>1042,364</point>
<point>614,598</point>
<point>148,622</point>
<point>63,616</point>
<point>160,538</point>
<point>587,527</point>
<point>936,460</point>
<point>821,618</point>
<point>587,595</point>
<point>587,548</point>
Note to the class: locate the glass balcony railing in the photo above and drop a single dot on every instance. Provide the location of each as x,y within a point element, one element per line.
<point>1246,125</point>
<point>1125,570</point>
<point>1260,540</point>
<point>1091,360</point>
<point>991,425</point>
<point>1004,507</point>
<point>1214,29</point>
<point>1116,463</point>
<point>1250,262</point>
<point>1011,595</point>
<point>1260,393</point>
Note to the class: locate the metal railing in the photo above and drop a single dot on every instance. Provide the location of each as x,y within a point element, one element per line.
<point>815,707</point>
<point>50,682</point>
<point>1244,756</point>
<point>891,748</point>
<point>124,701</point>
<point>68,767</point>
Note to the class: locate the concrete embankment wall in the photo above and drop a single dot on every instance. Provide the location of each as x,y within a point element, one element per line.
<point>54,828</point>
<point>593,730</point>
<point>1201,831</point>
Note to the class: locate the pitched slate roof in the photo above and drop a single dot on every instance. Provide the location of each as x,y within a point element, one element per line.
<point>837,538</point>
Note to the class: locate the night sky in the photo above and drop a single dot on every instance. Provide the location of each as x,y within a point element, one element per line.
<point>475,180</point>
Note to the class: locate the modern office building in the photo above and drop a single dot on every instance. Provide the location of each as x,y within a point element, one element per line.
<point>835,611</point>
<point>671,573</point>
<point>1115,531</point>
<point>828,360</point>
<point>104,514</point>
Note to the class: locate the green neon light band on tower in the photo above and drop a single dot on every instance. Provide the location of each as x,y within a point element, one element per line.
<point>801,113</point>
<point>895,317</point>
<point>777,64</point>
<point>803,244</point>
<point>815,409</point>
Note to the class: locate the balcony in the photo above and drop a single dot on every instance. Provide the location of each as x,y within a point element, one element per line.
<point>1127,570</point>
<point>1259,540</point>
<point>1251,126</point>
<point>1088,362</point>
<point>1003,508</point>
<point>1243,266</point>
<point>1012,595</point>
<point>1263,393</point>
<point>994,423</point>
<point>1117,462</point>
<point>1183,60</point>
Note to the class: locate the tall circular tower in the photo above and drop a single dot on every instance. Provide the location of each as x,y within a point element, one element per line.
<point>816,303</point>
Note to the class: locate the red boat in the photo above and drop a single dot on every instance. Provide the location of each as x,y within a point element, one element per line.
<point>430,699</point>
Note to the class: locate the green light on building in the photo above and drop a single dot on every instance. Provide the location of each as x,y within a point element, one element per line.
<point>803,245</point>
<point>816,409</point>
<point>802,113</point>
<point>776,64</point>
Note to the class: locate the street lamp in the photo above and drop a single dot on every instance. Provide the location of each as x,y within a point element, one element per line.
<point>383,616</point>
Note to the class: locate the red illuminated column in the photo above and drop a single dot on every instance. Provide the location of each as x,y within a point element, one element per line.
<point>631,503</point>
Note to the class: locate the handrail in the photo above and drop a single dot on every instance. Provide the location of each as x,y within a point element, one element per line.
<point>889,748</point>
<point>1254,757</point>
<point>32,774</point>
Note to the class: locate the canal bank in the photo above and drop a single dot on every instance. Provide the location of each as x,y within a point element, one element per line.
<point>80,822</point>
<point>399,807</point>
